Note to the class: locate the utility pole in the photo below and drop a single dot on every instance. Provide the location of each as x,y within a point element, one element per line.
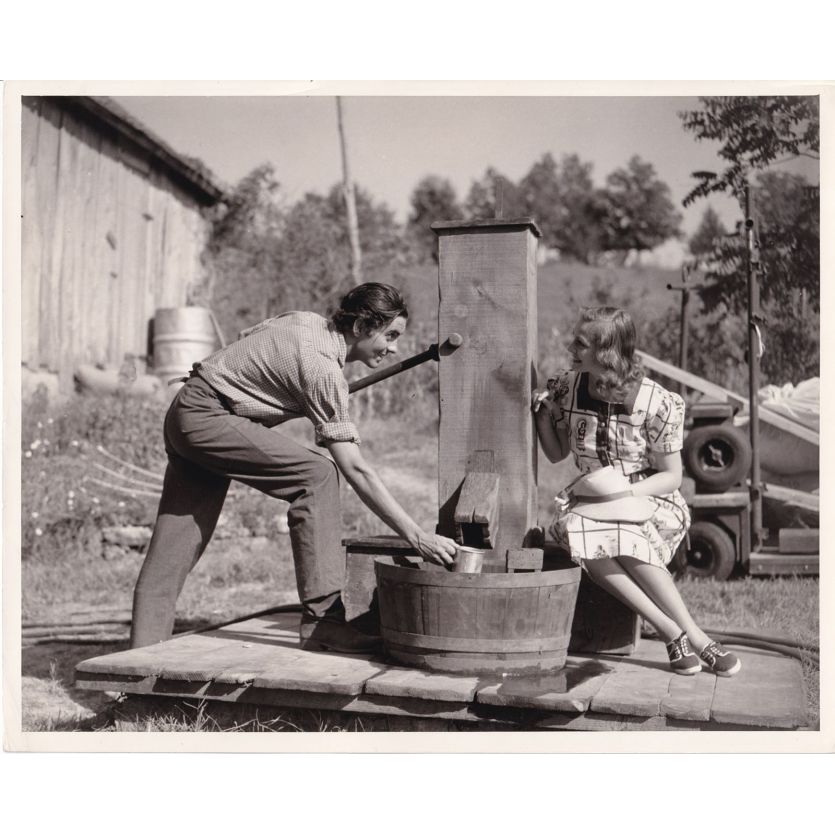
<point>684,333</point>
<point>350,201</point>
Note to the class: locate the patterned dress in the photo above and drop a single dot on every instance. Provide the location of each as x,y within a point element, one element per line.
<point>624,436</point>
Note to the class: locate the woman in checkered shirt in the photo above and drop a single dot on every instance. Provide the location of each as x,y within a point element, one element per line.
<point>606,413</point>
<point>219,429</point>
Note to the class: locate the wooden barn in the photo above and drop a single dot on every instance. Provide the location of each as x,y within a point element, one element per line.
<point>114,226</point>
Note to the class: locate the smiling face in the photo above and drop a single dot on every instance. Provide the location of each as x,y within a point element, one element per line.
<point>372,348</point>
<point>582,350</point>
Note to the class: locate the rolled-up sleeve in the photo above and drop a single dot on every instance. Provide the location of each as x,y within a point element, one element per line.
<point>326,404</point>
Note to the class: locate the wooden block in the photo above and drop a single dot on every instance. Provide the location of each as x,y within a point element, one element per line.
<point>602,623</point>
<point>689,697</point>
<point>799,541</point>
<point>114,682</point>
<point>570,689</point>
<point>767,692</point>
<point>608,722</point>
<point>321,672</point>
<point>477,510</point>
<point>152,660</point>
<point>634,690</point>
<point>360,590</point>
<point>524,559</point>
<point>420,709</point>
<point>244,661</point>
<point>386,541</point>
<point>418,684</point>
<point>207,665</point>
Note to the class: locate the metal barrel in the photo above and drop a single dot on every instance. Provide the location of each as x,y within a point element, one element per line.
<point>182,336</point>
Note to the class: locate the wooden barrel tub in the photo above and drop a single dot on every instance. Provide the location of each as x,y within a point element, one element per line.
<point>476,623</point>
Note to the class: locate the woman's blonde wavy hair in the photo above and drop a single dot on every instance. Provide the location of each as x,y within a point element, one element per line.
<point>612,333</point>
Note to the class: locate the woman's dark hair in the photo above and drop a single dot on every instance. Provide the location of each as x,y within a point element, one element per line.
<point>370,306</point>
<point>613,345</point>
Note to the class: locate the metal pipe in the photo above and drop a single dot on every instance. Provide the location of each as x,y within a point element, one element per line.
<point>431,353</point>
<point>752,265</point>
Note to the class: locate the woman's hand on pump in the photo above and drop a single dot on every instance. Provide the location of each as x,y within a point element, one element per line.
<point>542,397</point>
<point>548,413</point>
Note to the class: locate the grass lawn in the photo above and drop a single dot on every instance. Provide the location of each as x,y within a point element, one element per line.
<point>242,574</point>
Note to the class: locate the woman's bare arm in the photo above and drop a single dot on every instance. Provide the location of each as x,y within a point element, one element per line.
<point>663,482</point>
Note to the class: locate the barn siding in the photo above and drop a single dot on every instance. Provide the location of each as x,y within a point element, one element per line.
<point>107,238</point>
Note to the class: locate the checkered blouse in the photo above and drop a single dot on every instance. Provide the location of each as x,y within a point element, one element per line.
<point>625,436</point>
<point>286,367</point>
<point>622,434</point>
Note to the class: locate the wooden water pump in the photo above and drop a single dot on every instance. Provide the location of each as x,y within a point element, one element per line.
<point>514,617</point>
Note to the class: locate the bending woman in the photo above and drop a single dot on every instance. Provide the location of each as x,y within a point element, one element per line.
<point>219,429</point>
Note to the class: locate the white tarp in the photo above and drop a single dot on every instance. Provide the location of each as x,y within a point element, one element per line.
<point>781,453</point>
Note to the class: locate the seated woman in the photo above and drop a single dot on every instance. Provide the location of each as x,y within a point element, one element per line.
<point>607,414</point>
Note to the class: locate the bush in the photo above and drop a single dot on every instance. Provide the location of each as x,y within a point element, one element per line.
<point>70,490</point>
<point>63,507</point>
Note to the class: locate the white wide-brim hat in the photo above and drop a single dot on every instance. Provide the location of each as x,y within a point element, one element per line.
<point>603,495</point>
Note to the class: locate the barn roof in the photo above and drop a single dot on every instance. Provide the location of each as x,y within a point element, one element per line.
<point>188,170</point>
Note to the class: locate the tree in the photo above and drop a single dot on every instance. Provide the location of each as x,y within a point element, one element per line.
<point>639,213</point>
<point>494,196</point>
<point>266,258</point>
<point>432,199</point>
<point>709,234</point>
<point>255,210</point>
<point>243,251</point>
<point>753,131</point>
<point>788,233</point>
<point>316,249</point>
<point>565,204</point>
<point>315,258</point>
<point>542,198</point>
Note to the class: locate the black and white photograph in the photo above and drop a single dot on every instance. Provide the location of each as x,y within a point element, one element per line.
<point>392,409</point>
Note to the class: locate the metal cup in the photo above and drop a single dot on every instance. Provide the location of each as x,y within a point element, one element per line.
<point>468,560</point>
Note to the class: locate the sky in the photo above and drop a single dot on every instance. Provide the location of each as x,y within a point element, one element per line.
<point>394,141</point>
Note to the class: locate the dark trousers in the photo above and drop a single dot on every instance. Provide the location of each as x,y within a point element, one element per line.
<point>208,446</point>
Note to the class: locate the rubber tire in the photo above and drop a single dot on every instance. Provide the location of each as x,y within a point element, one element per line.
<point>715,550</point>
<point>724,440</point>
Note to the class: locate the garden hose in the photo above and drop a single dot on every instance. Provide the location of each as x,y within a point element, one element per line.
<point>274,610</point>
<point>774,643</point>
<point>793,652</point>
<point>765,636</point>
<point>784,647</point>
<point>767,641</point>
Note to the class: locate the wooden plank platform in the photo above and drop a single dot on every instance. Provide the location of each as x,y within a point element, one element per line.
<point>258,661</point>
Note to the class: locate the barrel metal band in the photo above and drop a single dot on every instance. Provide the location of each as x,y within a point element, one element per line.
<point>445,642</point>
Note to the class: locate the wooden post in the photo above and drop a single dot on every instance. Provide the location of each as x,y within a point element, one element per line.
<point>487,279</point>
